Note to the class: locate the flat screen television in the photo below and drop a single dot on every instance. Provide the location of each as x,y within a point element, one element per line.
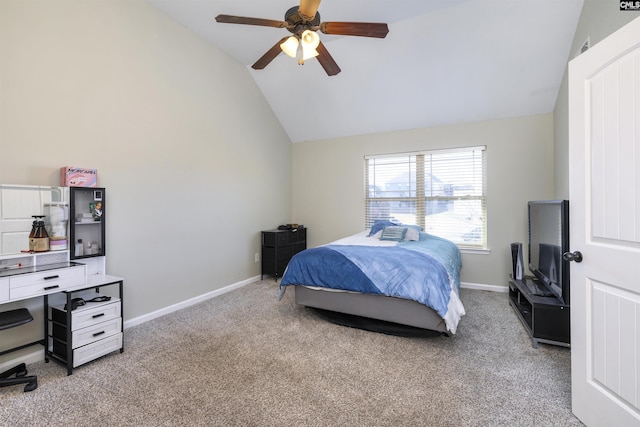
<point>548,240</point>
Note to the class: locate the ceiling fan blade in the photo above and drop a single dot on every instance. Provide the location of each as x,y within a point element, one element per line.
<point>363,29</point>
<point>230,19</point>
<point>326,60</point>
<point>309,8</point>
<point>268,56</point>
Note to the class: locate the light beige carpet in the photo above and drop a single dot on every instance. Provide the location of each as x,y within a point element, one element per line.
<point>245,359</point>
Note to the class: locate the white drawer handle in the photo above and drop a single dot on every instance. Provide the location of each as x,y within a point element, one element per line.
<point>98,333</point>
<point>97,315</point>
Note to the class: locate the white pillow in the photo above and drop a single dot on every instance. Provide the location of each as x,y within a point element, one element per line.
<point>412,234</point>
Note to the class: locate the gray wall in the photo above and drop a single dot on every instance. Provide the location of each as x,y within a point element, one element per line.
<point>193,159</point>
<point>196,163</point>
<point>598,20</point>
<point>328,182</point>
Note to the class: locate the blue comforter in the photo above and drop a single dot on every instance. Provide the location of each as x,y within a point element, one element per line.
<point>426,271</point>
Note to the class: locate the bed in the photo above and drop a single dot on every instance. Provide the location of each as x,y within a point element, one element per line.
<point>391,273</point>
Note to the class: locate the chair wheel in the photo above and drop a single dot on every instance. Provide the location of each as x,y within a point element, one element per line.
<point>31,386</point>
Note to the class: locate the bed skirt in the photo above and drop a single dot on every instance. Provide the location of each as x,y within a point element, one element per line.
<point>379,307</point>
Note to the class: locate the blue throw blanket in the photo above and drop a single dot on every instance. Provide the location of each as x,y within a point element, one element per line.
<point>426,271</point>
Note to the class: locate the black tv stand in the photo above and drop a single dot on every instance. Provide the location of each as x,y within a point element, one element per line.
<point>545,317</point>
<point>536,288</point>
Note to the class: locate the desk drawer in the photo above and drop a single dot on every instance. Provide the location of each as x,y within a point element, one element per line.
<point>36,284</point>
<point>97,332</point>
<point>99,348</point>
<point>89,334</point>
<point>90,314</point>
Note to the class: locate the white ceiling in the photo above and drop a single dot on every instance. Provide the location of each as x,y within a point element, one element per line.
<point>442,62</point>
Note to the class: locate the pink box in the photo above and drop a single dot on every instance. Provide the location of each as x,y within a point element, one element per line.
<point>71,176</point>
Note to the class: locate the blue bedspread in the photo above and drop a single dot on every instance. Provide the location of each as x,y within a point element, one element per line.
<point>426,271</point>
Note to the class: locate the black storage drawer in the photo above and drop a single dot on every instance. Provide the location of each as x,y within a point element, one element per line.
<point>60,349</point>
<point>275,239</point>
<point>59,331</point>
<point>299,247</point>
<point>59,316</point>
<point>278,246</point>
<point>279,253</point>
<point>299,236</point>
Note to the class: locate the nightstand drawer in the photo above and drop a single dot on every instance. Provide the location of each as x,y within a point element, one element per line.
<point>275,238</point>
<point>283,253</point>
<point>300,235</point>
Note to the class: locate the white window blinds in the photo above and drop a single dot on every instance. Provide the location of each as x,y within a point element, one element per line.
<point>443,191</point>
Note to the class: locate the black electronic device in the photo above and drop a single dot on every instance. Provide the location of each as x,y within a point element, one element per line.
<point>548,240</point>
<point>517,262</point>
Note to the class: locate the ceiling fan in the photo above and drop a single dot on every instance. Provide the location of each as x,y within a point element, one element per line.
<point>303,22</point>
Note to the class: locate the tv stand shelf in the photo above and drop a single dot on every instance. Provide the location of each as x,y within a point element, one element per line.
<point>546,318</point>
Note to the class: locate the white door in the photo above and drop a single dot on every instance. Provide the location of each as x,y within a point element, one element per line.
<point>604,169</point>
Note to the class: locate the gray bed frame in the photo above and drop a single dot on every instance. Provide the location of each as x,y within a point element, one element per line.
<point>379,307</point>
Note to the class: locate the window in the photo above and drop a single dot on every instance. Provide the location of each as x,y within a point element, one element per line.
<point>443,191</point>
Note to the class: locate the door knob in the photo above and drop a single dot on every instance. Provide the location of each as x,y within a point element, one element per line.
<point>572,256</point>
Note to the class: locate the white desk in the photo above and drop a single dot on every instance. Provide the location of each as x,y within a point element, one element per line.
<point>68,278</point>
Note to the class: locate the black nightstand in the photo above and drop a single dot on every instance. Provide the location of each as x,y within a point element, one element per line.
<point>278,246</point>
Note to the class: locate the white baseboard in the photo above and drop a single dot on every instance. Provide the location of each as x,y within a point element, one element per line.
<point>187,303</point>
<point>38,355</point>
<point>27,358</point>
<point>483,287</point>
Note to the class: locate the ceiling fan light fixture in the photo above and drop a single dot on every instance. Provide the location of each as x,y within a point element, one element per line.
<point>290,46</point>
<point>303,22</point>
<point>309,41</point>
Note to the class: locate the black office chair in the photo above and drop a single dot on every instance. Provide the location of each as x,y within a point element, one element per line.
<point>17,374</point>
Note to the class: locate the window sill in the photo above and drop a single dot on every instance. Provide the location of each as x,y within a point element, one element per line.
<point>475,251</point>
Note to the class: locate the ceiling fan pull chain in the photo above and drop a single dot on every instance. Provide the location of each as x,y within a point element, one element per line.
<point>300,54</point>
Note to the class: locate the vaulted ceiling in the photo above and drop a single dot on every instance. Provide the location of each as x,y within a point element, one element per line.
<point>443,62</point>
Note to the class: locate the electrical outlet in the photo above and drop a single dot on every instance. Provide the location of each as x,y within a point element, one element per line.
<point>257,257</point>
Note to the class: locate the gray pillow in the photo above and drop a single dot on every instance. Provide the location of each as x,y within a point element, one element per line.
<point>393,233</point>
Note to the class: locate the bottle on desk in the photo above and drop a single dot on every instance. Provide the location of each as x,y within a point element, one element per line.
<point>79,248</point>
<point>38,238</point>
